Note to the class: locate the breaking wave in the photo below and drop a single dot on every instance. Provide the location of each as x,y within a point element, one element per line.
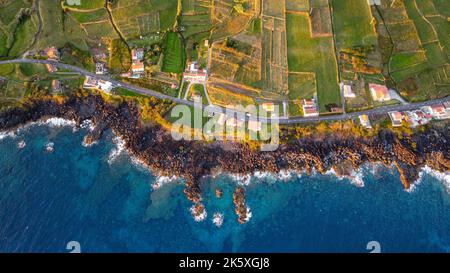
<point>116,151</point>
<point>163,180</point>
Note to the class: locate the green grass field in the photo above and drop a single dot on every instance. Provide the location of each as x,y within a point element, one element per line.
<point>306,54</point>
<point>9,11</point>
<point>353,23</point>
<point>302,86</point>
<point>30,70</point>
<point>3,44</point>
<point>23,36</point>
<point>86,4</point>
<point>120,57</point>
<point>141,17</point>
<point>174,56</point>
<point>424,29</point>
<point>58,28</point>
<point>401,61</point>
<point>85,17</point>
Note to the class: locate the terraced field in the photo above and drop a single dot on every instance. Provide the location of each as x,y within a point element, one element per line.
<point>274,71</point>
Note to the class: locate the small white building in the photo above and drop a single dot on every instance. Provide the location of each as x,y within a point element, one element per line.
<point>193,67</point>
<point>417,117</point>
<point>100,68</point>
<point>105,86</point>
<point>310,108</point>
<point>195,77</point>
<point>93,83</point>
<point>365,121</point>
<point>347,91</point>
<point>396,118</point>
<point>437,111</point>
<point>90,83</point>
<point>374,2</point>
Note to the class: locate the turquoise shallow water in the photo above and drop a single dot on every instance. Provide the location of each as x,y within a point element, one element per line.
<point>75,194</point>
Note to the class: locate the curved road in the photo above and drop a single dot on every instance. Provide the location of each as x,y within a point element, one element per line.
<point>149,92</point>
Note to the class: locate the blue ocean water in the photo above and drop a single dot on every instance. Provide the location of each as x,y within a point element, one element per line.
<point>48,199</point>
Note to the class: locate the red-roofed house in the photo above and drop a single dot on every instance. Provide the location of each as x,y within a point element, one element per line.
<point>396,118</point>
<point>379,92</point>
<point>437,111</point>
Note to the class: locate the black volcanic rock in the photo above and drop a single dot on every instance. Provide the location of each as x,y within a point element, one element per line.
<point>155,147</point>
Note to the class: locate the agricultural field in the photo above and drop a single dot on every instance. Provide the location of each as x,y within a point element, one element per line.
<point>136,18</point>
<point>353,28</point>
<point>10,8</point>
<point>19,79</point>
<point>225,97</point>
<point>237,60</point>
<point>420,61</point>
<point>195,24</point>
<point>274,71</point>
<point>174,54</point>
<point>85,4</point>
<point>407,51</point>
<point>18,26</point>
<point>312,55</point>
<point>226,19</point>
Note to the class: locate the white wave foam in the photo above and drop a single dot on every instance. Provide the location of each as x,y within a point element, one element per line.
<point>218,219</point>
<point>443,177</point>
<point>50,147</point>
<point>4,135</point>
<point>261,175</point>
<point>163,180</point>
<point>115,152</point>
<point>284,175</point>
<point>242,180</point>
<point>88,124</point>
<point>198,218</point>
<point>248,215</point>
<point>356,178</point>
<point>57,122</point>
<point>21,144</point>
<point>332,172</point>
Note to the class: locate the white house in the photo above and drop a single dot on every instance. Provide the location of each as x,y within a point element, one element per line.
<point>365,121</point>
<point>396,118</point>
<point>105,86</point>
<point>437,111</point>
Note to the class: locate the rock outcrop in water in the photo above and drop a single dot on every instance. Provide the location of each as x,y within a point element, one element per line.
<point>192,160</point>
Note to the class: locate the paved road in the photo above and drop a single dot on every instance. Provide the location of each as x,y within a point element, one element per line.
<point>148,92</point>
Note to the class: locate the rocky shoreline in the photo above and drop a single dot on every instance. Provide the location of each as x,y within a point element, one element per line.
<point>192,160</point>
